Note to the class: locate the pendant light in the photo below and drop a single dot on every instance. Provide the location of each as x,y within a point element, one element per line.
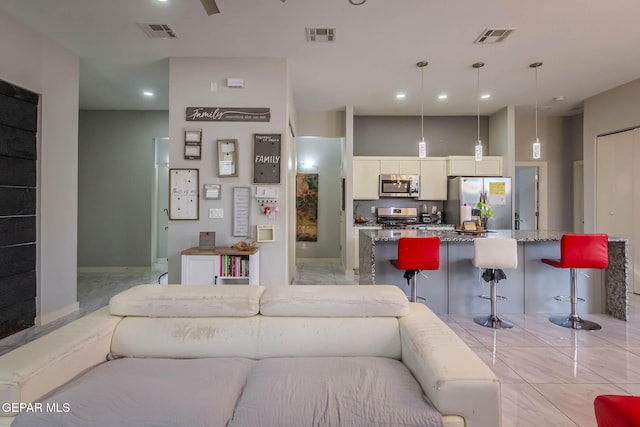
<point>422,144</point>
<point>536,143</point>
<point>478,149</point>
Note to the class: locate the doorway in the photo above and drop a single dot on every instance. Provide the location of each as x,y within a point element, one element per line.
<point>530,196</point>
<point>160,205</point>
<point>527,204</point>
<point>578,196</point>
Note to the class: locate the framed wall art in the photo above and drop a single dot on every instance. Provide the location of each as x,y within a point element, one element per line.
<point>184,203</point>
<point>227,157</point>
<point>193,144</point>
<point>266,158</point>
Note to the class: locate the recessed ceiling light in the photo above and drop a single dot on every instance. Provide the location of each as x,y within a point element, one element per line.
<point>558,98</point>
<point>485,96</point>
<point>442,96</point>
<point>147,93</point>
<point>162,1</point>
<point>400,95</point>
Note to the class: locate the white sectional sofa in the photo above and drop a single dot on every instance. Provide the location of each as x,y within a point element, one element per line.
<point>251,356</point>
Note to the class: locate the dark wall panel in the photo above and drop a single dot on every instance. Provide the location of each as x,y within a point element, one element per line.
<point>17,288</point>
<point>17,201</point>
<point>18,93</point>
<point>17,259</point>
<point>17,143</point>
<point>19,172</point>
<point>18,114</point>
<point>17,317</point>
<point>18,153</point>
<point>17,230</point>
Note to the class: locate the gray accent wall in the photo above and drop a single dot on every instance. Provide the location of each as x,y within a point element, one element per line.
<point>399,135</point>
<point>326,155</point>
<point>115,191</point>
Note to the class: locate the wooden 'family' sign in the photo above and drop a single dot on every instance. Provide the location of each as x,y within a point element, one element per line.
<point>266,158</point>
<point>227,114</point>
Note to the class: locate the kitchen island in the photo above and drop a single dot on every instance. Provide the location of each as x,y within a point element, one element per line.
<point>531,288</point>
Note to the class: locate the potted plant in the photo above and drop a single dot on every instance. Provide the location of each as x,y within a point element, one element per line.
<point>486,212</point>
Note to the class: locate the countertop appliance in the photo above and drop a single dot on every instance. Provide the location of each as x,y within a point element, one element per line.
<point>464,194</point>
<point>399,186</point>
<point>396,217</point>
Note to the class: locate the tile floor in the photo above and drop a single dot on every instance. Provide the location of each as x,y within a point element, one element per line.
<point>550,375</point>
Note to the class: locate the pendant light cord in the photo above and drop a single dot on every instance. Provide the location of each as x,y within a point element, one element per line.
<point>422,102</point>
<point>537,103</point>
<point>478,104</point>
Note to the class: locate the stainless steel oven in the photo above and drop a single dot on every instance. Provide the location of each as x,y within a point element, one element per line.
<point>399,185</point>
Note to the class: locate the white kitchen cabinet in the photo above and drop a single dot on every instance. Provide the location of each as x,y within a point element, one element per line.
<point>220,266</point>
<point>365,178</point>
<point>399,166</point>
<point>356,242</point>
<point>468,166</point>
<point>433,178</point>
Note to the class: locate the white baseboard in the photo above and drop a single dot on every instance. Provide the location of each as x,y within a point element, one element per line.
<point>142,269</point>
<point>62,312</point>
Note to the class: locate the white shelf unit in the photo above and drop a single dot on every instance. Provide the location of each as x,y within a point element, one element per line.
<point>220,266</point>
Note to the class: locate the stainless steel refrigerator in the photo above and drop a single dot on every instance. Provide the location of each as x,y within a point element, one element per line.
<point>467,190</point>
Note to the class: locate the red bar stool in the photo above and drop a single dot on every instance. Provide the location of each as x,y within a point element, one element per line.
<point>494,254</point>
<point>617,411</point>
<point>579,251</point>
<point>416,254</point>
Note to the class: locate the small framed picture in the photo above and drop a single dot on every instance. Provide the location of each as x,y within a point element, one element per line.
<point>211,191</point>
<point>193,144</point>
<point>227,157</point>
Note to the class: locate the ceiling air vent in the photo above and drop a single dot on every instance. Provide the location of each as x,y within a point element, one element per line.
<point>494,35</point>
<point>321,34</point>
<point>158,31</point>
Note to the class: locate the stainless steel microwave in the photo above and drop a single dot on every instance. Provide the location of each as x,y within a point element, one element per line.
<point>399,185</point>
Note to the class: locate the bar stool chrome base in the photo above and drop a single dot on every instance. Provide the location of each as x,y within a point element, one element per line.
<point>493,322</point>
<point>574,322</point>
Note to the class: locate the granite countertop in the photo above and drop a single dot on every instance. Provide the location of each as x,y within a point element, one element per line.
<point>391,235</point>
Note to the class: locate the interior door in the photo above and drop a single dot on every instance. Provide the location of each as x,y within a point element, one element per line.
<point>527,200</point>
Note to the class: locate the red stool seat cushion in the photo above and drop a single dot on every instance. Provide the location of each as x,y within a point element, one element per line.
<point>418,253</point>
<point>582,251</point>
<point>617,411</point>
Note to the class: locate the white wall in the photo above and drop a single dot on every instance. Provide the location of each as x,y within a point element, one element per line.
<point>39,65</point>
<point>610,111</point>
<point>266,86</point>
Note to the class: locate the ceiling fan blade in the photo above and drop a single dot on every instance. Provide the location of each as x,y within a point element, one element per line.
<point>210,6</point>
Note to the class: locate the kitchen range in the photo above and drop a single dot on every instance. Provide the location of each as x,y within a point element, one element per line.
<point>407,218</point>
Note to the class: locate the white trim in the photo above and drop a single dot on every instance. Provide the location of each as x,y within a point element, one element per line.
<point>141,269</point>
<point>58,314</point>
<point>543,183</point>
<point>578,196</point>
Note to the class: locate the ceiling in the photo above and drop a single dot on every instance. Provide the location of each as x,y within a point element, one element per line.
<point>587,47</point>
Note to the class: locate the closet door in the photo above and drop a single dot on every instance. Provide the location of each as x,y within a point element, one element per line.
<point>614,188</point>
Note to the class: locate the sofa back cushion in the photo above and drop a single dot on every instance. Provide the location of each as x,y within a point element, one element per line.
<point>256,337</point>
<point>187,301</point>
<point>334,301</point>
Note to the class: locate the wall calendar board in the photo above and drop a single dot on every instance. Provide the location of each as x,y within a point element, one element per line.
<point>184,203</point>
<point>266,158</point>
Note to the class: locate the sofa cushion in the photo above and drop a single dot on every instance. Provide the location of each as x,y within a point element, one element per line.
<point>334,391</point>
<point>187,301</point>
<point>334,301</point>
<point>147,392</point>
